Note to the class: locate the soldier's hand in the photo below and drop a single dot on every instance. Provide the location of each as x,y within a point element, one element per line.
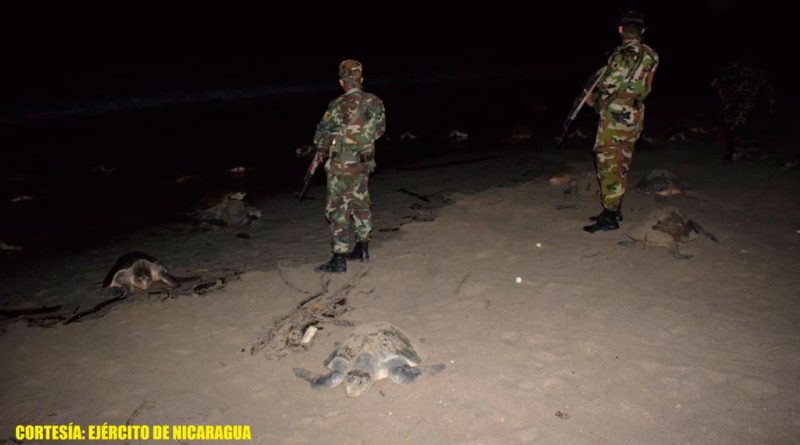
<point>590,100</point>
<point>306,151</point>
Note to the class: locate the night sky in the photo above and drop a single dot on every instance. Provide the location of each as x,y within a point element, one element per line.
<point>117,52</point>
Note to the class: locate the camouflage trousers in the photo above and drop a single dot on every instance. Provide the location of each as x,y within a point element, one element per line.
<point>617,132</point>
<point>348,198</point>
<point>734,113</point>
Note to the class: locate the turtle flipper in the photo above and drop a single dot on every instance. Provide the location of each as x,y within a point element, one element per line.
<point>404,374</point>
<point>433,369</point>
<point>678,255</point>
<point>320,381</point>
<point>122,291</point>
<point>699,229</point>
<point>401,372</point>
<point>169,280</point>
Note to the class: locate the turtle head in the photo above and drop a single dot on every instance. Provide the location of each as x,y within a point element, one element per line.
<point>142,280</point>
<point>357,382</point>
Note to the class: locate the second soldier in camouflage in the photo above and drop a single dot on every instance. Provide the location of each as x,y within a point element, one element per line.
<point>739,85</point>
<point>346,135</point>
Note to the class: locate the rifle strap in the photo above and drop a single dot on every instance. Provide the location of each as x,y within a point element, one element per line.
<point>631,74</point>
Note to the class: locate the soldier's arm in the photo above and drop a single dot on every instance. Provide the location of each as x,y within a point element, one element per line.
<point>380,120</point>
<point>374,121</point>
<point>619,65</point>
<point>328,126</point>
<point>650,76</point>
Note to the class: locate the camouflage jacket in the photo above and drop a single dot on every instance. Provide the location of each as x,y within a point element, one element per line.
<point>741,82</point>
<point>354,121</point>
<point>629,76</point>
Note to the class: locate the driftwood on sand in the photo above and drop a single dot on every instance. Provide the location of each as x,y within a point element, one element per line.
<point>287,332</point>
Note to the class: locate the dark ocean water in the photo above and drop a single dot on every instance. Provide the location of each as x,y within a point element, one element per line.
<point>96,169</point>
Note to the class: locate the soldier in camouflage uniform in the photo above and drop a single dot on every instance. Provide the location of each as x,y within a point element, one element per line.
<point>619,99</point>
<point>739,85</point>
<point>346,136</point>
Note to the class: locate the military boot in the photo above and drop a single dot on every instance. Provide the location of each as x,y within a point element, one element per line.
<point>360,252</point>
<point>337,264</point>
<point>619,214</point>
<point>608,220</point>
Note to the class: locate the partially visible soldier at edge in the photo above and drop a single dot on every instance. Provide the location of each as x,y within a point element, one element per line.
<point>619,99</point>
<point>739,85</point>
<point>346,136</point>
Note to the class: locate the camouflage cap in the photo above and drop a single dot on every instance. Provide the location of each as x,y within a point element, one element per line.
<point>632,18</point>
<point>350,70</point>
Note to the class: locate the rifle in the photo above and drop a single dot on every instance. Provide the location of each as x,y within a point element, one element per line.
<point>312,168</point>
<point>319,156</point>
<point>588,87</point>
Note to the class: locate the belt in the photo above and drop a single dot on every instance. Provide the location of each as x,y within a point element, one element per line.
<point>357,158</point>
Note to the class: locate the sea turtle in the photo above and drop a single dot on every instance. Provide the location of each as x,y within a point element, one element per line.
<point>579,183</point>
<point>137,270</point>
<point>661,183</point>
<point>750,150</point>
<point>666,227</point>
<point>231,210</point>
<point>372,352</point>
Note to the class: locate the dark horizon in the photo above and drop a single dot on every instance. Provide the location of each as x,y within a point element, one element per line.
<point>84,60</point>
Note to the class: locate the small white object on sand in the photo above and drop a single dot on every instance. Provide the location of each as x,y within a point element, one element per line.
<point>518,280</point>
<point>308,335</point>
<point>538,244</point>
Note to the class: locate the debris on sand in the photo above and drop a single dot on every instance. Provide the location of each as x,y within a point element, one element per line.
<point>238,170</point>
<point>104,169</point>
<point>794,162</point>
<point>458,136</point>
<point>22,198</point>
<point>519,134</point>
<point>9,247</point>
<point>181,180</point>
<point>287,332</point>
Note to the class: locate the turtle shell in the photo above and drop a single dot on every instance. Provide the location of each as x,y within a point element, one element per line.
<point>660,181</point>
<point>380,339</point>
<point>664,227</point>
